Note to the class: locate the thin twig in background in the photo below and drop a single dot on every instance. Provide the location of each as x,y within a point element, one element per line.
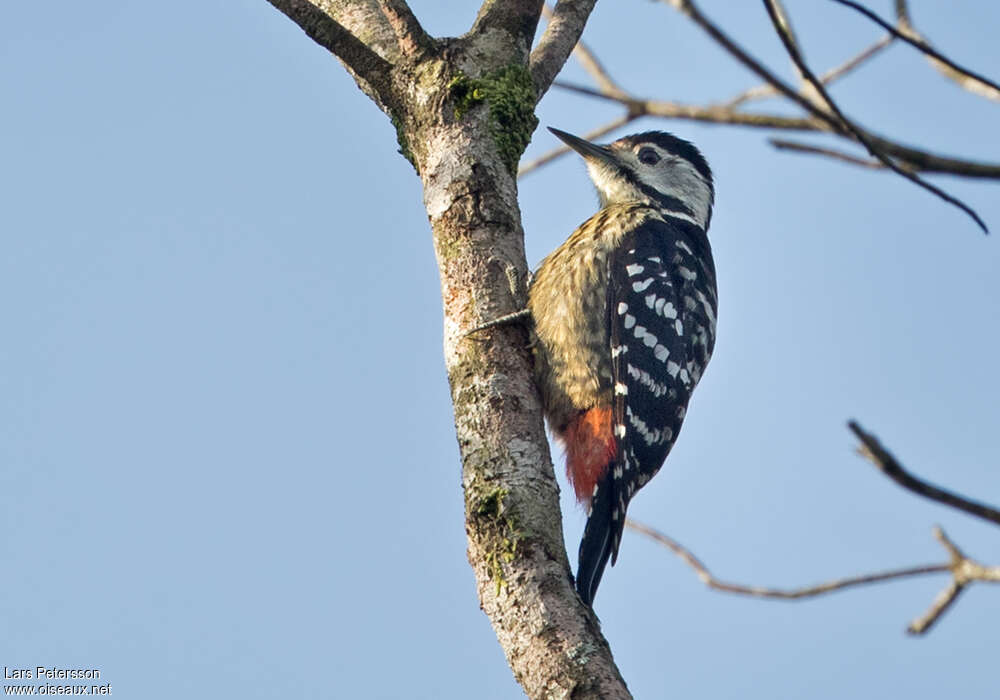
<point>963,570</point>
<point>714,114</point>
<point>906,157</point>
<point>780,593</point>
<point>915,158</point>
<point>786,22</point>
<point>851,64</point>
<point>964,81</point>
<point>691,10</point>
<point>795,146</point>
<point>930,163</point>
<point>767,90</point>
<point>914,39</point>
<point>825,116</point>
<point>873,450</point>
<point>793,52</point>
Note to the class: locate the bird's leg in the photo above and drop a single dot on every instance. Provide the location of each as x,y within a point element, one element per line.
<point>506,319</point>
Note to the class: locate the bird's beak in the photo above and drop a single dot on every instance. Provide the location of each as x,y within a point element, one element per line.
<point>585,148</point>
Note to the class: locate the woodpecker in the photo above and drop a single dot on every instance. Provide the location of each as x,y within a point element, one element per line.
<point>624,322</point>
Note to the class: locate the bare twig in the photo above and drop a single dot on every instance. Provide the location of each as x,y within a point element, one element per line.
<point>780,593</point>
<point>834,119</point>
<point>859,134</point>
<point>907,158</point>
<point>561,35</point>
<point>888,465</point>
<point>715,114</point>
<point>720,114</point>
<point>931,163</point>
<point>786,22</point>
<point>962,568</point>
<point>963,571</point>
<point>851,64</point>
<point>795,146</point>
<point>765,90</point>
<point>948,595</point>
<point>911,37</point>
<point>757,92</point>
<point>691,10</point>
<point>942,601</point>
<point>963,80</point>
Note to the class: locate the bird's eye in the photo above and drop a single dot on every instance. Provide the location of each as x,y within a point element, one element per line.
<point>649,156</point>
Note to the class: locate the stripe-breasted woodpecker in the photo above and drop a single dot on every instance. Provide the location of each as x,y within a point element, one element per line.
<point>624,321</point>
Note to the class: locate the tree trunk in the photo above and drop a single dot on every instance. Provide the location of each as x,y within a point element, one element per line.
<point>464,112</point>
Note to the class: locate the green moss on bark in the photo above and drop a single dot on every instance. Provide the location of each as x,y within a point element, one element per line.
<point>404,144</point>
<point>509,94</point>
<point>499,525</point>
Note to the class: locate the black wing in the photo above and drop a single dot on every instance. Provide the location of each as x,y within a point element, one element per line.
<point>661,315</point>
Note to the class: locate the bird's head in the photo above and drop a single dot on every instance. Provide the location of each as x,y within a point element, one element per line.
<point>654,168</point>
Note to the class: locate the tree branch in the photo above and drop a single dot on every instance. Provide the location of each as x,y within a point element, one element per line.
<point>873,450</point>
<point>793,52</point>
<point>331,35</point>
<point>590,62</point>
<point>561,35</point>
<point>413,41</point>
<point>518,18</point>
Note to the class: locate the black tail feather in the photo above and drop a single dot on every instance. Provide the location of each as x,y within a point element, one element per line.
<point>601,538</point>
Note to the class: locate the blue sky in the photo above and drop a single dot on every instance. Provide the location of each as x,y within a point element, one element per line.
<point>226,451</point>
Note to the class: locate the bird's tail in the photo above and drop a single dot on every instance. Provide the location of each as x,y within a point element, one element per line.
<point>601,538</point>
